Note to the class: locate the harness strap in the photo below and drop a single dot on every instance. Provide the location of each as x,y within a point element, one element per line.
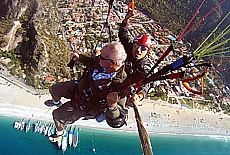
<point>186,85</point>
<point>169,49</point>
<point>172,76</point>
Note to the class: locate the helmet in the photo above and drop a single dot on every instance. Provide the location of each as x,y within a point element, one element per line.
<point>118,122</point>
<point>143,39</point>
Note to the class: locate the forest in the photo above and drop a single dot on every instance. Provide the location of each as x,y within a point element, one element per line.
<point>175,14</point>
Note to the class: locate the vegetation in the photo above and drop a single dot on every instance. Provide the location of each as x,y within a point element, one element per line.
<point>6,26</point>
<point>41,53</point>
<point>52,51</point>
<point>174,15</point>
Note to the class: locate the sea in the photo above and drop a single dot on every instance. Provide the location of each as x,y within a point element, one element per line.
<point>101,142</point>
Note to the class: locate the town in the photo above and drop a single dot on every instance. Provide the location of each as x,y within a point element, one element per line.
<point>87,27</point>
<point>85,20</point>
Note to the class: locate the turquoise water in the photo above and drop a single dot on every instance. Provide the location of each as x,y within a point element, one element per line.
<point>14,142</point>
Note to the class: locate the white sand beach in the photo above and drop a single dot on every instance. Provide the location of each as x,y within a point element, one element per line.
<point>157,116</point>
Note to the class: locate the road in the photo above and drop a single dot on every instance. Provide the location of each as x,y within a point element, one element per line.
<point>11,35</point>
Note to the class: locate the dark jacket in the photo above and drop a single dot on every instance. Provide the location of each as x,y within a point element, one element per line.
<point>93,93</point>
<point>136,69</point>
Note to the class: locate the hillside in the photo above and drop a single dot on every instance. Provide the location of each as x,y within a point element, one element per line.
<point>35,46</point>
<point>38,48</point>
<point>34,37</point>
<point>175,14</point>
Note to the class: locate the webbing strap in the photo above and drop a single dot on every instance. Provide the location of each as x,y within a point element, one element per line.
<point>169,49</point>
<point>177,75</point>
<point>175,65</point>
<point>186,85</point>
<point>178,63</point>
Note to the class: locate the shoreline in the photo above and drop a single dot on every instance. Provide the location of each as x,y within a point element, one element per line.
<point>157,117</point>
<point>92,124</point>
<point>196,133</point>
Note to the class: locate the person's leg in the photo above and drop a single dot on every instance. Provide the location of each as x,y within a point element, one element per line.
<point>63,89</point>
<point>66,114</point>
<point>54,97</point>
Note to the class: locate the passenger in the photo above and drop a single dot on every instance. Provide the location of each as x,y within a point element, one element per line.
<point>91,95</point>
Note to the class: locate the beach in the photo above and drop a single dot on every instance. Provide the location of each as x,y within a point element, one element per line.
<point>157,116</point>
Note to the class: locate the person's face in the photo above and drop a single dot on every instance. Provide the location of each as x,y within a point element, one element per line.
<point>106,63</point>
<point>139,51</point>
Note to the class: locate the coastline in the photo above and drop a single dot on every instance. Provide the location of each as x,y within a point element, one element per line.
<point>157,116</point>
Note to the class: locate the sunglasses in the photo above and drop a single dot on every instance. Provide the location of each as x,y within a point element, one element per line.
<point>143,48</point>
<point>102,58</point>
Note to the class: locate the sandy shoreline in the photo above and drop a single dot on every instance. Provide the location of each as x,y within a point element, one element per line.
<point>158,117</point>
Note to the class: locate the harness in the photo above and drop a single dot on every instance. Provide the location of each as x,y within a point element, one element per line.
<point>90,95</point>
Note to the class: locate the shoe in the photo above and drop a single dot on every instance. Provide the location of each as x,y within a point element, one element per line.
<point>55,137</point>
<point>50,103</point>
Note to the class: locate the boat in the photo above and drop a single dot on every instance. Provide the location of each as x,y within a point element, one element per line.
<point>53,130</point>
<point>71,136</point>
<point>94,150</point>
<point>75,137</point>
<point>17,124</point>
<point>64,142</point>
<point>22,125</point>
<point>37,126</point>
<point>49,133</point>
<point>46,130</point>
<point>27,126</point>
<point>59,142</point>
<point>41,128</point>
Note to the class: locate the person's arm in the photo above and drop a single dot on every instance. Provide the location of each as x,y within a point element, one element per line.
<point>142,91</point>
<point>112,109</point>
<point>112,99</point>
<point>145,67</point>
<point>123,29</point>
<point>85,60</point>
<point>129,14</point>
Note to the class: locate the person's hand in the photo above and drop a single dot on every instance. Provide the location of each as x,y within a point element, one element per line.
<point>135,99</point>
<point>74,56</point>
<point>112,99</point>
<point>128,15</point>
